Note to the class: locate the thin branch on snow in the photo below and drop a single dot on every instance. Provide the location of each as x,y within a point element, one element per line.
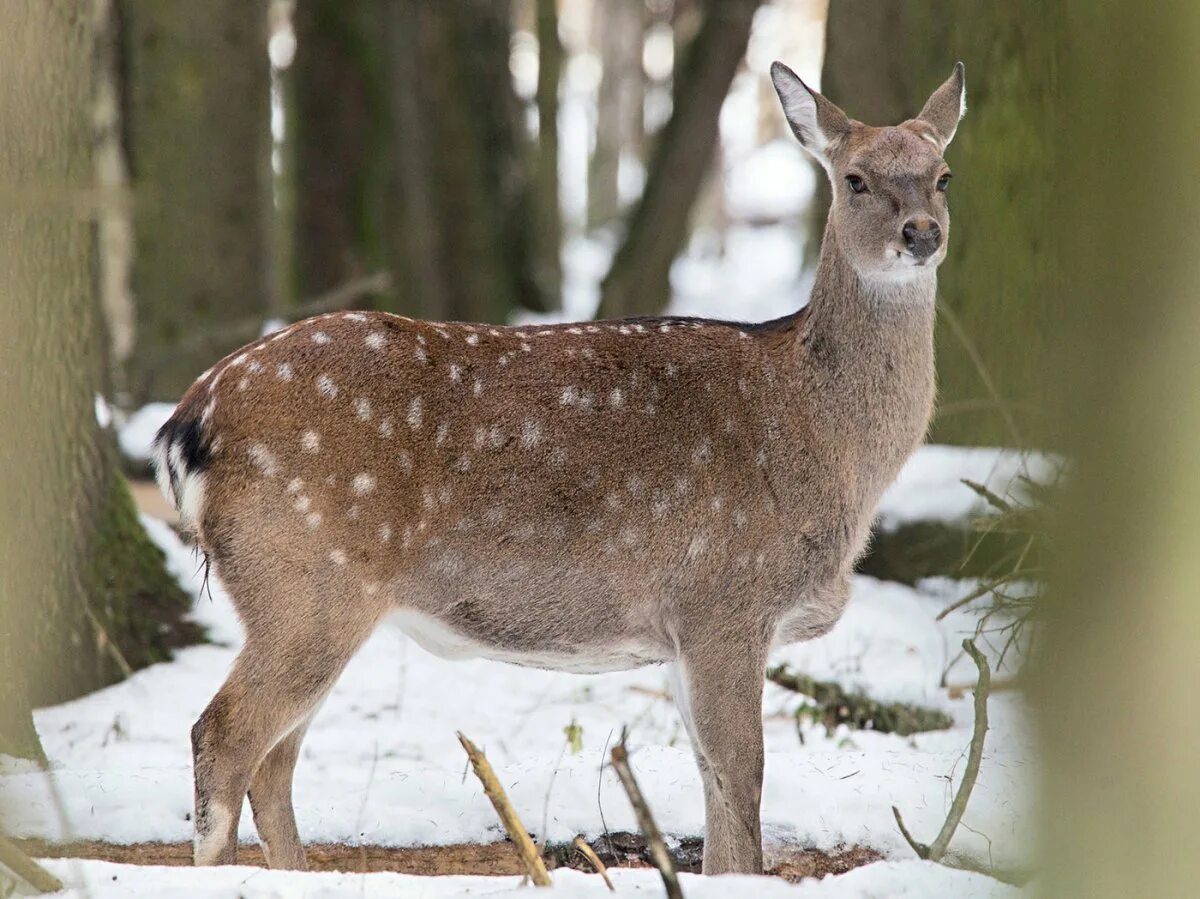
<point>535,868</point>
<point>654,841</point>
<point>937,849</point>
<point>593,859</point>
<point>27,869</point>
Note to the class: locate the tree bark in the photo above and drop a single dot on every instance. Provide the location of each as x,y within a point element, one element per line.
<point>547,236</point>
<point>1118,805</point>
<point>639,280</point>
<point>83,592</point>
<point>197,94</point>
<point>882,59</point>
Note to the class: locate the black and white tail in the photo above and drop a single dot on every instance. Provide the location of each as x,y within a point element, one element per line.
<point>180,454</point>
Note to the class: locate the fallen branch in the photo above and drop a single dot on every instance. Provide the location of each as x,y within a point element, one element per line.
<point>27,869</point>
<point>840,706</point>
<point>593,859</point>
<point>535,868</point>
<point>937,849</point>
<point>654,841</point>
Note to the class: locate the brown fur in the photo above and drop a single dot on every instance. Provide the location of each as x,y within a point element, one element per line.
<point>587,497</point>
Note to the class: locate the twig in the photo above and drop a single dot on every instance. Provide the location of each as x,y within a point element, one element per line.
<point>937,849</point>
<point>535,868</point>
<point>593,859</point>
<point>654,841</point>
<point>27,869</point>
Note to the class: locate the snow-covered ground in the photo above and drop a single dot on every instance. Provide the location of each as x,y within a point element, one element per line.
<point>381,764</point>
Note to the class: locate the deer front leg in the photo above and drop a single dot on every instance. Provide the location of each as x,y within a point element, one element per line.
<point>718,684</point>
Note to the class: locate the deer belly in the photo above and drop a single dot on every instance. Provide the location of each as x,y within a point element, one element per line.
<point>583,657</point>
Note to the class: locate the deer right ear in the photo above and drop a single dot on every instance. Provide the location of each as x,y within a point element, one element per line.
<point>815,121</point>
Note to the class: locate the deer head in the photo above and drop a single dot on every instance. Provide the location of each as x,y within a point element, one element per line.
<point>889,213</point>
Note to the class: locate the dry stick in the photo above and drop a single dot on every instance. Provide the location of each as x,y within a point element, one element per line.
<point>593,859</point>
<point>937,849</point>
<point>27,869</point>
<point>535,868</point>
<point>654,841</point>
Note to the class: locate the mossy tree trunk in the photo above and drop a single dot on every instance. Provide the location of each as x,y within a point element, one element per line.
<point>196,121</point>
<point>1115,691</point>
<point>83,592</point>
<point>411,157</point>
<point>639,279</point>
<point>882,59</point>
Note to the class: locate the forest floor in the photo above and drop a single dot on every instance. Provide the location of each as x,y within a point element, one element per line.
<point>383,786</point>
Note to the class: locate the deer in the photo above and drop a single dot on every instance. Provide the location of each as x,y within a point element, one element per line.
<point>583,497</point>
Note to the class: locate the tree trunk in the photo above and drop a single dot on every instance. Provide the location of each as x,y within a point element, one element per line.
<point>197,93</point>
<point>411,156</point>
<point>1116,687</point>
<point>547,236</point>
<point>882,59</point>
<point>337,139</point>
<point>639,280</point>
<point>84,594</point>
<point>618,26</point>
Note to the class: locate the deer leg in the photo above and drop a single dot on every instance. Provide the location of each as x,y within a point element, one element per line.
<point>274,687</point>
<point>719,691</point>
<point>271,802</point>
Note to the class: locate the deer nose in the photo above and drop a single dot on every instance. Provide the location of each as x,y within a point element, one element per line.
<point>922,237</point>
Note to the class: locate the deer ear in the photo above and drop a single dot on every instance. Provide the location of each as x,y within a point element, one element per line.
<point>947,105</point>
<point>815,121</point>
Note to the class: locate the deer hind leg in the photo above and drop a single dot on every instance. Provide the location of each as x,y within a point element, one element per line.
<point>718,685</point>
<point>271,802</point>
<point>275,686</point>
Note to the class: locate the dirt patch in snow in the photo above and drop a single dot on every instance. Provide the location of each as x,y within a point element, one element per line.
<point>493,859</point>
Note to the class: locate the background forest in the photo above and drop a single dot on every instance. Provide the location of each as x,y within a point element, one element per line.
<point>179,178</point>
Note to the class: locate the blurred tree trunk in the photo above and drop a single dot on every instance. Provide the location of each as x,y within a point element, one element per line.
<point>197,94</point>
<point>411,156</point>
<point>547,237</point>
<point>639,280</point>
<point>1116,692</point>
<point>882,59</point>
<point>618,26</point>
<point>84,593</point>
<point>337,138</point>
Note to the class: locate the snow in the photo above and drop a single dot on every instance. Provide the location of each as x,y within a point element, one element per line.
<point>893,879</point>
<point>381,764</point>
<point>930,486</point>
<point>137,433</point>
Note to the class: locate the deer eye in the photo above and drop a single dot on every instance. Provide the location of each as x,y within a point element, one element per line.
<point>944,182</point>
<point>856,184</point>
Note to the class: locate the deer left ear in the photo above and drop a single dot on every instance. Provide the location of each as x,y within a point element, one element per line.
<point>947,105</point>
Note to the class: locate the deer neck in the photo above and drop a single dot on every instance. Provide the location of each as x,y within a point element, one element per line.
<point>866,361</point>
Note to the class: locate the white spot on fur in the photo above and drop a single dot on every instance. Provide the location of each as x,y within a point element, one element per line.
<point>310,441</point>
<point>302,503</point>
<point>385,532</point>
<point>326,386</point>
<point>420,354</point>
<point>243,383</point>
<point>526,348</point>
<point>354,317</point>
<point>313,520</point>
<point>696,547</point>
<point>375,340</point>
<point>531,433</point>
<point>295,485</point>
<point>385,428</point>
<point>472,339</point>
<point>569,396</point>
<point>363,483</point>
<point>255,367</point>
<point>239,360</point>
<point>443,431</point>
<point>284,372</point>
<point>477,387</point>
<point>362,408</point>
<point>337,557</point>
<point>320,338</point>
<point>672,369</point>
<point>616,398</point>
<point>416,412</point>
<point>263,459</point>
<point>455,373</point>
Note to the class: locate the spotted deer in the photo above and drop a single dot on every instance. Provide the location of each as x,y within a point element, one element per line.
<point>581,497</point>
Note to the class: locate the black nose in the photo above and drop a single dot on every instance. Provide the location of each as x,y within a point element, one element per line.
<point>922,237</point>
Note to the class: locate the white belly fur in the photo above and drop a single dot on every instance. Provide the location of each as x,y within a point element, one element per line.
<point>437,638</point>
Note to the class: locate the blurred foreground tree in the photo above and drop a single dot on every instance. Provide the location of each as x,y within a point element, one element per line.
<point>411,156</point>
<point>882,58</point>
<point>196,126</point>
<point>83,592</point>
<point>657,228</point>
<point>1116,687</point>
